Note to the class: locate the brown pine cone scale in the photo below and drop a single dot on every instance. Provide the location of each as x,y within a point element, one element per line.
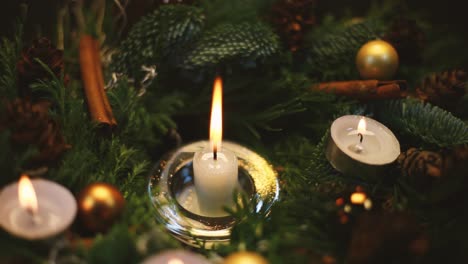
<point>29,70</point>
<point>30,124</point>
<point>444,89</point>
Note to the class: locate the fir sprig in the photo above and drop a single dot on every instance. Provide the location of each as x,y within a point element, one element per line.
<point>9,54</point>
<point>337,49</point>
<point>423,121</point>
<point>245,42</point>
<point>220,11</point>
<point>166,31</point>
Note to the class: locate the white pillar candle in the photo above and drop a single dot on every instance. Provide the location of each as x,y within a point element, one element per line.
<point>215,169</point>
<point>215,181</point>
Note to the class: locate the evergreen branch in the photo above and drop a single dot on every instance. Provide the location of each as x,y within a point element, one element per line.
<point>337,49</point>
<point>263,119</point>
<point>54,90</point>
<point>245,42</point>
<point>221,11</point>
<point>319,168</point>
<point>143,123</point>
<point>428,123</point>
<point>9,53</point>
<point>163,34</point>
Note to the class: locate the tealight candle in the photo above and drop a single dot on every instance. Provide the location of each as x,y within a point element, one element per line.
<point>215,169</point>
<point>36,209</point>
<point>176,257</point>
<point>361,145</point>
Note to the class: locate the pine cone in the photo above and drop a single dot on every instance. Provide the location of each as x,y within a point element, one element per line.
<point>419,163</point>
<point>444,89</point>
<point>408,39</point>
<point>387,238</point>
<point>422,167</point>
<point>425,168</point>
<point>30,124</point>
<point>29,70</point>
<point>292,20</point>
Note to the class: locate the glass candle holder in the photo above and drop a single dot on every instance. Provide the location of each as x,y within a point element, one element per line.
<point>171,190</point>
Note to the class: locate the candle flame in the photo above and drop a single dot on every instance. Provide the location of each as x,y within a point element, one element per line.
<point>358,198</point>
<point>362,126</point>
<point>216,122</point>
<point>175,261</point>
<point>27,195</point>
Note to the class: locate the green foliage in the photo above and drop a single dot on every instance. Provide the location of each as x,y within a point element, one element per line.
<point>292,221</point>
<point>54,90</point>
<point>334,52</point>
<point>319,167</point>
<point>420,121</point>
<point>227,42</point>
<point>221,11</point>
<point>9,54</point>
<point>115,247</point>
<point>270,106</point>
<point>13,158</point>
<point>162,34</point>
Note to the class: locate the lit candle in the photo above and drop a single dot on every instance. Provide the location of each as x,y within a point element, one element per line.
<point>36,209</point>
<point>360,131</point>
<point>375,146</point>
<point>27,197</point>
<point>215,169</point>
<point>176,257</point>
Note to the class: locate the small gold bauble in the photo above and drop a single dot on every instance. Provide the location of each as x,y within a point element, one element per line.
<point>377,59</point>
<point>99,206</point>
<point>244,258</point>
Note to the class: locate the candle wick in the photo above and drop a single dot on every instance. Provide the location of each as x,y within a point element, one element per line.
<point>34,217</point>
<point>361,137</point>
<point>215,153</point>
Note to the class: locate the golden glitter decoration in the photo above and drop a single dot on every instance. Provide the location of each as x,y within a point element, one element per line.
<point>99,206</point>
<point>244,258</point>
<point>260,170</point>
<point>378,60</point>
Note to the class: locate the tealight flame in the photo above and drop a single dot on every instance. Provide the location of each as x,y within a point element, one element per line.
<point>358,198</point>
<point>175,261</point>
<point>216,122</point>
<point>362,126</point>
<point>27,195</point>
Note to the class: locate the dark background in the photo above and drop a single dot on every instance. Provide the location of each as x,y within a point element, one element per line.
<point>445,22</point>
<point>41,15</point>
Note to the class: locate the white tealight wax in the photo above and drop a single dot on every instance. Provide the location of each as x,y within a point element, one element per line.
<point>215,181</point>
<point>374,144</point>
<point>55,211</point>
<point>176,257</point>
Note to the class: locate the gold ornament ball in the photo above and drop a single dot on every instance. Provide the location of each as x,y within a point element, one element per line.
<point>245,258</point>
<point>377,59</point>
<point>99,206</point>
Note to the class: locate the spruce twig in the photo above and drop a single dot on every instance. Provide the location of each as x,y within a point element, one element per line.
<point>423,121</point>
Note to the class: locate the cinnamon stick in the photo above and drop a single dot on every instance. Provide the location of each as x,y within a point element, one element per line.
<point>93,82</point>
<point>364,89</point>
